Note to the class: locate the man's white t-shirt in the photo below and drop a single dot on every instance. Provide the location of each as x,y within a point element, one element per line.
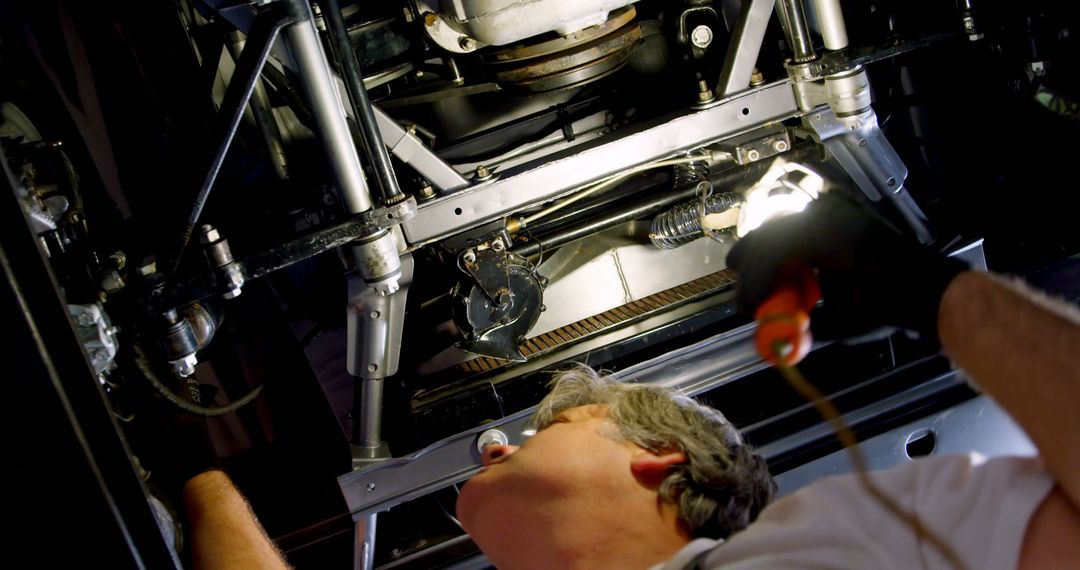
<point>979,507</point>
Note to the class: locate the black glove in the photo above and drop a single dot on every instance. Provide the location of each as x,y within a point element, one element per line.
<point>870,275</point>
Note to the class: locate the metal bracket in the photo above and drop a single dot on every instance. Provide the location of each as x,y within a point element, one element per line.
<point>862,149</point>
<point>742,54</point>
<point>374,326</point>
<point>363,224</point>
<point>410,150</point>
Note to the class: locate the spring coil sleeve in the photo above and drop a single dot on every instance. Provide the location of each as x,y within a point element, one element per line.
<point>682,224</point>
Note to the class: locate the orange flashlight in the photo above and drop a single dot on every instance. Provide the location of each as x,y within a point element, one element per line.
<point>783,333</point>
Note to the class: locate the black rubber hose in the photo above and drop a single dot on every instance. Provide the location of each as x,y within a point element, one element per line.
<point>214,411</point>
<point>361,104</point>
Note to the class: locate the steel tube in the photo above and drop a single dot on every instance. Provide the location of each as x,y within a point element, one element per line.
<point>361,103</point>
<point>652,205</point>
<point>327,112</point>
<point>831,20</point>
<point>367,412</point>
<point>798,32</point>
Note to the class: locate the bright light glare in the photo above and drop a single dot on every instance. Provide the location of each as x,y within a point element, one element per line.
<point>787,188</point>
<point>761,207</point>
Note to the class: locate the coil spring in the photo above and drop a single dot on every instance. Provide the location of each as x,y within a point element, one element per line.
<point>690,174</point>
<point>682,224</point>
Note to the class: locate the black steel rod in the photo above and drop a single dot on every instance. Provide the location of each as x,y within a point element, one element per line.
<point>798,32</point>
<point>264,30</point>
<point>728,180</point>
<point>361,103</point>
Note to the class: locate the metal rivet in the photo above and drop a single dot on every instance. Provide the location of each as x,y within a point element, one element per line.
<point>372,367</point>
<point>374,314</point>
<point>371,486</point>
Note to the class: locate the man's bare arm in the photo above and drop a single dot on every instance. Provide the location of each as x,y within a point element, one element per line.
<point>224,531</point>
<point>1024,350</point>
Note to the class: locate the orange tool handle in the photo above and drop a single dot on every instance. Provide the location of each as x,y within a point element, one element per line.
<point>784,320</point>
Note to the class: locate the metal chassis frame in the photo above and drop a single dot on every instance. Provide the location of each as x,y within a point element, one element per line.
<point>559,174</point>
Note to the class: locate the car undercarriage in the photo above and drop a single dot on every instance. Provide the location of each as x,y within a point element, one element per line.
<point>359,237</point>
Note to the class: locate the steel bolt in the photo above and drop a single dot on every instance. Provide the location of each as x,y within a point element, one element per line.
<point>427,192</point>
<point>209,234</point>
<point>752,154</point>
<point>757,78</point>
<point>482,172</point>
<point>147,269</point>
<point>467,43</point>
<point>498,244</point>
<point>780,145</point>
<point>704,93</point>
<point>491,437</point>
<point>469,257</point>
<point>118,259</point>
<point>701,36</point>
<point>430,19</point>
<point>185,366</point>
<point>388,287</point>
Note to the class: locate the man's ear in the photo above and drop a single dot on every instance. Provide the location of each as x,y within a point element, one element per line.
<point>650,468</point>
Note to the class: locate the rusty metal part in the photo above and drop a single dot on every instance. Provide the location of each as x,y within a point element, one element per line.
<point>523,51</point>
<point>525,68</point>
<point>619,316</point>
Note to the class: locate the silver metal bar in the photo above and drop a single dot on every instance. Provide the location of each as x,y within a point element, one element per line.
<point>408,148</point>
<point>978,425</point>
<point>327,112</point>
<point>693,370</point>
<point>374,323</point>
<point>364,543</point>
<point>745,45</point>
<point>831,20</point>
<point>559,174</point>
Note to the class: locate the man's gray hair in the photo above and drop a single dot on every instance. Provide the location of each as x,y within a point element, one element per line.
<point>722,486</point>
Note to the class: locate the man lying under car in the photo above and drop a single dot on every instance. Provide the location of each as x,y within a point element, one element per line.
<point>633,476</point>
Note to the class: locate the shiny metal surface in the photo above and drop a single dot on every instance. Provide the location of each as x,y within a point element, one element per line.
<point>617,267</point>
<point>978,425</point>
<point>742,54</point>
<point>328,113</point>
<point>831,22</point>
<point>408,148</point>
<point>560,173</point>
<point>374,324</point>
<point>793,16</point>
<point>502,22</point>
<point>864,152</point>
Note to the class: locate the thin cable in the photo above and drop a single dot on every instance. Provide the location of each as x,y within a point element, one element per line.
<point>214,411</point>
<point>847,438</point>
<point>607,183</point>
